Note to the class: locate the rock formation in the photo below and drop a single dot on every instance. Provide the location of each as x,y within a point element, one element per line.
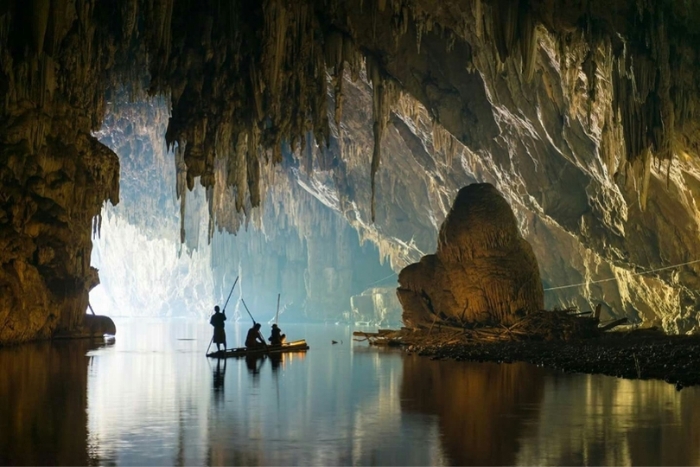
<point>573,107</point>
<point>483,270</point>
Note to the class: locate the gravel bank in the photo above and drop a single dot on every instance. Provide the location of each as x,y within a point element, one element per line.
<point>674,359</point>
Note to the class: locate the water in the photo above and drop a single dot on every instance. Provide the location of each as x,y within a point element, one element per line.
<point>152,398</point>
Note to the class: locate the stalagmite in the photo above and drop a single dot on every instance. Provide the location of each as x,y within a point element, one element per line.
<point>482,272</point>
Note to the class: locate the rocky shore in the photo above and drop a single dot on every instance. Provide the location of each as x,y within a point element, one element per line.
<point>632,354</point>
<point>625,354</point>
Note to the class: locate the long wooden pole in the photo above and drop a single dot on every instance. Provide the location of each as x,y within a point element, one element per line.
<point>251,317</point>
<point>231,292</point>
<point>224,310</point>
<point>246,309</point>
<point>278,308</point>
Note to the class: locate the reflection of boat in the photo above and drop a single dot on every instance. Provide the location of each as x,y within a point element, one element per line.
<point>294,346</point>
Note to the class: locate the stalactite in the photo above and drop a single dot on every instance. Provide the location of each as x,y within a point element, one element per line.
<point>424,24</point>
<point>40,17</point>
<point>646,167</point>
<point>590,68</point>
<point>528,41</point>
<point>444,142</point>
<point>477,12</point>
<point>274,50</point>
<point>384,94</point>
<point>240,169</point>
<point>504,14</point>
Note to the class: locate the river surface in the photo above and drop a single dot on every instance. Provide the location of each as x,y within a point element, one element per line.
<point>151,397</point>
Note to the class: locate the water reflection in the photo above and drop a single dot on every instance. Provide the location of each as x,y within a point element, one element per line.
<point>590,420</point>
<point>276,361</point>
<point>154,399</point>
<point>219,378</point>
<point>481,408</point>
<point>43,404</point>
<point>519,414</point>
<point>333,406</point>
<point>254,364</point>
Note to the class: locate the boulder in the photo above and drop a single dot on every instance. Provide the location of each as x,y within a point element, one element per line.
<point>482,272</point>
<point>92,326</point>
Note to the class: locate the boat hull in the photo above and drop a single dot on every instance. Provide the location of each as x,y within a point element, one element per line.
<point>294,346</point>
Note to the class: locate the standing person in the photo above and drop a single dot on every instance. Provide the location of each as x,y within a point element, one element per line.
<point>217,320</point>
<point>253,339</point>
<point>276,336</point>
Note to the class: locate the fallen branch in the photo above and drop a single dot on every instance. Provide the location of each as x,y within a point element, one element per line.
<point>614,324</point>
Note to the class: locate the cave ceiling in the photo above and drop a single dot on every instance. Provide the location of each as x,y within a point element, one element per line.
<point>249,86</point>
<point>245,77</point>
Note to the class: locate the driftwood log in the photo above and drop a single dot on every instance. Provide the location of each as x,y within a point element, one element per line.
<point>541,325</point>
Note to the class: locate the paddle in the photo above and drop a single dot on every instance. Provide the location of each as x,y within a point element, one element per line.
<point>224,310</point>
<point>254,322</point>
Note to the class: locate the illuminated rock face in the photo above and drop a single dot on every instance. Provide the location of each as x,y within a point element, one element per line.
<point>571,102</point>
<point>483,270</point>
<point>50,202</point>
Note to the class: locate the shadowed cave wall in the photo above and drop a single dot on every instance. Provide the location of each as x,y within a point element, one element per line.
<point>583,115</point>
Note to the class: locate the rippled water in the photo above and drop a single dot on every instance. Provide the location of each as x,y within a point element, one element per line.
<point>152,398</point>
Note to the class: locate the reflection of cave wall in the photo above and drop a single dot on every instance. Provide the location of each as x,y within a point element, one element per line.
<point>593,420</point>
<point>43,404</point>
<point>476,405</point>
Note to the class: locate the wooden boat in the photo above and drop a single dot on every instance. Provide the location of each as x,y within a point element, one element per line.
<point>293,346</point>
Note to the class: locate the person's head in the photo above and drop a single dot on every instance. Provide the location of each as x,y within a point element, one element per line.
<point>257,326</point>
<point>216,308</point>
<point>274,326</point>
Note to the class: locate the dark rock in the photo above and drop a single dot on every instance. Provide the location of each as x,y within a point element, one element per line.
<point>92,326</point>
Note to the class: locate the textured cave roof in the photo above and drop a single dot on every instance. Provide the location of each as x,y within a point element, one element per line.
<point>244,78</point>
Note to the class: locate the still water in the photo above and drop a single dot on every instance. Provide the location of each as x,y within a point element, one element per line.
<point>152,398</point>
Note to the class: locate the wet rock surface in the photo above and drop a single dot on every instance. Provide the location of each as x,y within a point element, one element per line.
<point>633,355</point>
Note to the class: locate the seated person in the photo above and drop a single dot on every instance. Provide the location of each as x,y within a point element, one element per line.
<point>276,336</point>
<point>253,339</point>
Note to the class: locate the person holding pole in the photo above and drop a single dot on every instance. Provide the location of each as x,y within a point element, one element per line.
<point>218,321</point>
<point>253,340</point>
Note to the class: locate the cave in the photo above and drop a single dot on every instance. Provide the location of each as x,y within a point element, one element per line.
<point>313,126</point>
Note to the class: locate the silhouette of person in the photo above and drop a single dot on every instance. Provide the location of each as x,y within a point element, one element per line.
<point>276,336</point>
<point>217,320</point>
<point>253,339</point>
